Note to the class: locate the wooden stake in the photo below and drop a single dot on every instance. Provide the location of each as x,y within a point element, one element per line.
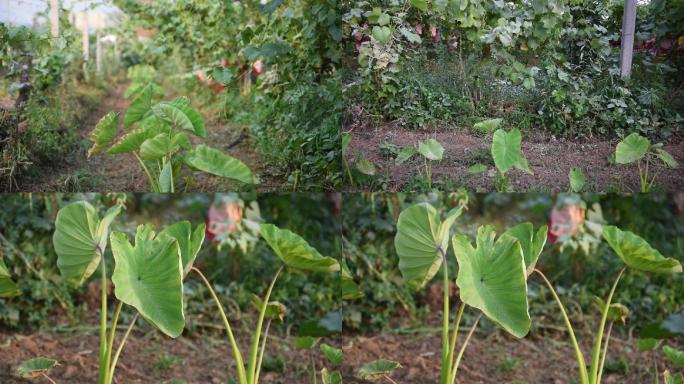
<point>627,41</point>
<point>54,17</point>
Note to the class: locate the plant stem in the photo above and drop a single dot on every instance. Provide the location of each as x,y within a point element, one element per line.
<point>112,334</point>
<point>102,377</point>
<point>454,337</point>
<point>121,345</point>
<point>584,377</point>
<point>251,368</point>
<point>262,352</point>
<point>152,182</point>
<point>389,379</point>
<point>48,377</point>
<point>452,379</point>
<point>242,377</point>
<point>599,335</point>
<point>446,367</point>
<point>605,351</point>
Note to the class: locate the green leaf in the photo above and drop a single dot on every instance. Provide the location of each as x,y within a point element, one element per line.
<point>492,277</point>
<point>383,19</point>
<point>366,167</point>
<point>382,34</point>
<point>506,151</point>
<point>139,107</point>
<point>404,154</point>
<point>131,141</point>
<point>334,355</point>
<point>148,276</point>
<point>304,342</point>
<point>420,4</point>
<point>35,367</point>
<point>217,163</point>
<point>182,140</point>
<point>577,179</point>
<point>421,235</point>
<point>667,158</point>
<point>677,378</point>
<point>431,149</point>
<point>377,369</point>
<point>189,241</point>
<point>165,178</point>
<point>157,147</point>
<point>616,312</point>
<point>104,133</point>
<point>675,356</point>
<point>350,290</point>
<point>7,287</point>
<point>488,125</point>
<point>646,344</point>
<point>80,239</point>
<point>531,244</point>
<point>275,310</point>
<point>180,115</point>
<point>477,168</point>
<point>637,253</point>
<point>346,140</point>
<point>334,377</point>
<point>295,252</point>
<point>632,148</point>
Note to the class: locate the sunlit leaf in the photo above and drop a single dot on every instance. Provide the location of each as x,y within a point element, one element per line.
<point>531,243</point>
<point>35,367</point>
<point>295,252</point>
<point>104,133</point>
<point>675,356</point>
<point>217,163</point>
<point>577,179</point>
<point>431,149</point>
<point>632,148</point>
<point>506,151</point>
<point>488,125</point>
<point>377,369</point>
<point>330,377</point>
<point>666,158</point>
<point>139,107</point>
<point>365,166</point>
<point>334,355</point>
<point>189,241</point>
<point>637,253</point>
<point>180,115</point>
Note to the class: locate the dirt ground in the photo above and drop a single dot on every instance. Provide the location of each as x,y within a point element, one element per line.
<point>123,172</point>
<point>549,157</point>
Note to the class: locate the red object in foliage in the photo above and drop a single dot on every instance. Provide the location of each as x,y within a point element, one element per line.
<point>419,29</point>
<point>434,34</point>
<point>257,68</point>
<point>565,221</point>
<point>223,219</point>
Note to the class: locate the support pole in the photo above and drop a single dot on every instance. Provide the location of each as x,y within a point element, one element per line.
<point>627,41</point>
<point>98,52</point>
<point>54,17</point>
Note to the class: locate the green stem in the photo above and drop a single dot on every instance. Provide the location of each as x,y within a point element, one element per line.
<point>242,377</point>
<point>389,379</point>
<point>121,345</point>
<point>48,378</point>
<point>262,352</point>
<point>454,337</point>
<point>349,174</point>
<point>251,368</point>
<point>153,184</point>
<point>599,335</point>
<point>112,334</point>
<point>584,377</point>
<point>446,368</point>
<point>102,377</point>
<point>605,351</point>
<point>452,379</point>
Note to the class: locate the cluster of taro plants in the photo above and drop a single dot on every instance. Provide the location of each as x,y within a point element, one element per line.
<point>638,149</point>
<point>149,275</point>
<point>492,278</point>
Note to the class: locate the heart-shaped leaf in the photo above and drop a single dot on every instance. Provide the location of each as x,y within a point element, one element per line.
<point>330,377</point>
<point>148,276</point>
<point>80,239</point>
<point>217,163</point>
<point>577,179</point>
<point>180,115</point>
<point>377,369</point>
<point>477,168</point>
<point>334,355</point>
<point>492,277</point>
<point>7,287</point>
<point>531,244</point>
<point>365,166</point>
<point>104,133</point>
<point>637,253</point>
<point>632,148</point>
<point>404,154</point>
<point>675,356</point>
<point>35,367</point>
<point>139,107</point>
<point>506,151</point>
<point>304,342</point>
<point>488,125</point>
<point>131,141</point>
<point>189,241</point>
<point>382,34</point>
<point>431,149</point>
<point>295,252</point>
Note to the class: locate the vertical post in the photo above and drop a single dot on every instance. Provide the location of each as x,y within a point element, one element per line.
<point>627,40</point>
<point>86,37</point>
<point>54,17</point>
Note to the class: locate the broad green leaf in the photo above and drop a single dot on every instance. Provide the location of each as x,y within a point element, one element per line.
<point>531,243</point>
<point>488,125</point>
<point>350,290</point>
<point>148,276</point>
<point>421,239</point>
<point>139,107</point>
<point>295,252</point>
<point>275,310</point>
<point>675,356</point>
<point>334,355</point>
<point>492,277</point>
<point>7,287</point>
<point>377,369</point>
<point>35,367</point>
<point>632,148</point>
<point>477,168</point>
<point>304,342</point>
<point>182,140</point>
<point>637,253</point>
<point>420,4</point>
<point>666,158</point>
<point>382,34</point>
<point>676,378</point>
<point>131,141</point>
<point>157,147</point>
<point>506,151</point>
<point>104,133</point>
<point>365,166</point>
<point>383,19</point>
<point>577,179</point>
<point>189,241</point>
<point>431,149</point>
<point>616,312</point>
<point>181,115</point>
<point>334,377</point>
<point>217,163</point>
<point>646,344</point>
<point>165,178</point>
<point>80,239</point>
<point>404,154</point>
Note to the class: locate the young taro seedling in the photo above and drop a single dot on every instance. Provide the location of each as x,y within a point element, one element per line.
<point>637,254</point>
<point>431,150</point>
<point>507,154</point>
<point>332,355</point>
<point>36,367</point>
<point>160,142</point>
<point>652,337</point>
<point>491,276</point>
<point>636,148</point>
<point>378,370</point>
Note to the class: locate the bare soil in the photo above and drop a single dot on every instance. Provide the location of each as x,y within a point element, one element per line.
<point>549,157</point>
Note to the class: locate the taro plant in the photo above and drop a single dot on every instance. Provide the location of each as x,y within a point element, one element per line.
<point>142,75</point>
<point>507,154</point>
<point>638,149</point>
<point>492,276</point>
<point>653,336</point>
<point>431,150</point>
<point>380,369</point>
<point>577,180</point>
<point>332,355</point>
<point>637,254</point>
<point>160,142</point>
<point>36,367</point>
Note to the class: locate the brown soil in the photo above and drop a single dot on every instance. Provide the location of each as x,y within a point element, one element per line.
<point>549,157</point>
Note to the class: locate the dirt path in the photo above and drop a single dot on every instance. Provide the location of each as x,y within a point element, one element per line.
<point>551,159</point>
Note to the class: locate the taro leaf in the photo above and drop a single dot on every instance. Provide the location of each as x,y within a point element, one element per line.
<point>492,278</point>
<point>506,151</point>
<point>632,148</point>
<point>431,149</point>
<point>131,141</point>
<point>80,239</point>
<point>275,310</point>
<point>157,147</point>
<point>377,369</point>
<point>304,342</point>
<point>334,355</point>
<point>646,344</point>
<point>104,133</point>
<point>166,178</point>
<point>477,168</point>
<point>7,287</point>
<point>139,107</point>
<point>382,34</point>
<point>532,244</point>
<point>366,167</point>
<point>666,158</point>
<point>488,125</point>
<point>577,179</point>
<point>295,252</point>
<point>189,241</point>
<point>181,115</point>
<point>677,378</point>
<point>148,276</point>
<point>35,367</point>
<point>637,253</point>
<point>182,140</point>
<point>675,356</point>
<point>334,377</point>
<point>616,312</point>
<point>420,4</point>
<point>404,154</point>
<point>217,163</point>
<point>421,239</point>
<point>350,290</point>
